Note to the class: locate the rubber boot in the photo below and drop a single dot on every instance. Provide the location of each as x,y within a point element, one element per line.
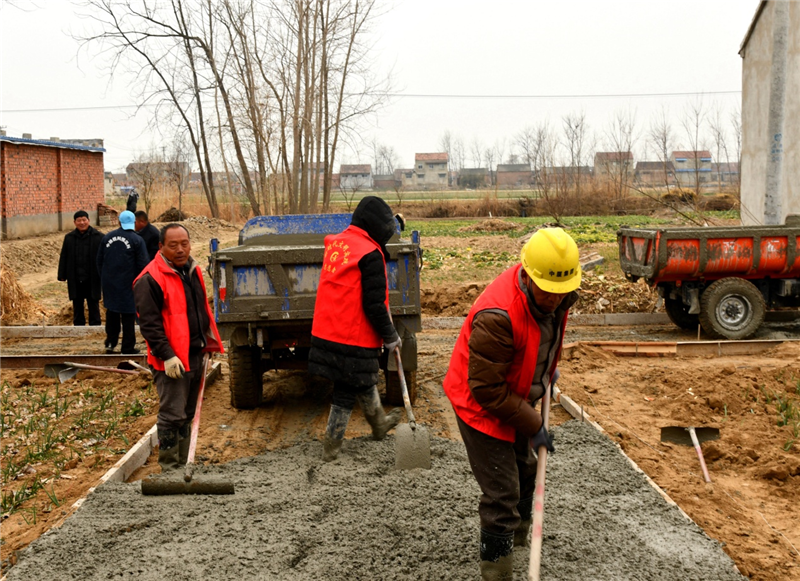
<point>334,432</point>
<point>497,562</point>
<point>380,421</point>
<point>522,536</point>
<point>168,454</point>
<point>184,440</point>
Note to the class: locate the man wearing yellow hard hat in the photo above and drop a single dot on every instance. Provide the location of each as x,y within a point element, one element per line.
<point>505,354</point>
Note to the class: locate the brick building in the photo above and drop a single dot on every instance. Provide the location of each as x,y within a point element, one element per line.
<point>43,183</point>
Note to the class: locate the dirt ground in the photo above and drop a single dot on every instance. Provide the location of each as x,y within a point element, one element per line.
<point>755,466</point>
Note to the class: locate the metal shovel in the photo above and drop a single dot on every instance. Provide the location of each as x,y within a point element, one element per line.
<point>413,443</point>
<point>691,436</point>
<point>67,370</point>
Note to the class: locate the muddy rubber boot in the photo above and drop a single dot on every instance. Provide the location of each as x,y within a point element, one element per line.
<point>334,432</point>
<point>380,421</point>
<point>522,536</point>
<point>168,454</point>
<point>497,562</point>
<point>184,440</point>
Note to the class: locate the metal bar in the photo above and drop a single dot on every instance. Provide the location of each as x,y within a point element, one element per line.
<point>39,361</point>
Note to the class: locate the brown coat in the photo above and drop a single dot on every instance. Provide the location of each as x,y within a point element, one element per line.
<point>491,351</point>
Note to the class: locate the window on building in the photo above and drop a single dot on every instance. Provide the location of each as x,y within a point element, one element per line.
<point>419,166</point>
<point>421,176</point>
<point>430,166</point>
<point>442,175</point>
<point>410,175</point>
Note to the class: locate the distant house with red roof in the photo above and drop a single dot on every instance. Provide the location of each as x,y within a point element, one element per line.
<point>355,176</point>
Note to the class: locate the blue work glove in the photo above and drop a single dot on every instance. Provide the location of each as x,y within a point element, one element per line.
<point>542,438</point>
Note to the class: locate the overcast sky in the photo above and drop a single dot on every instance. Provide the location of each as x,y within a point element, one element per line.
<point>529,60</point>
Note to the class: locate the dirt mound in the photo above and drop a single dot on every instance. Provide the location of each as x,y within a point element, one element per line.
<point>16,305</point>
<point>491,225</point>
<point>33,254</point>
<point>201,229</point>
<point>599,294</point>
<point>603,293</point>
<point>172,215</point>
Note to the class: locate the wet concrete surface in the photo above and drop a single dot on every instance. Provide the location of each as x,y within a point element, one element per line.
<point>294,517</point>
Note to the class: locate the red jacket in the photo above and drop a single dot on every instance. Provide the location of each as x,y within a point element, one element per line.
<point>174,316</point>
<point>506,295</point>
<point>339,313</point>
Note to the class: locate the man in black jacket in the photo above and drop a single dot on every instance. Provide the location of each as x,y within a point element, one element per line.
<point>78,267</point>
<point>352,322</point>
<point>121,258</point>
<point>148,232</point>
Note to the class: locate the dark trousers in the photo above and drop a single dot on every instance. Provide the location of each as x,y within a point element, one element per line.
<point>78,316</point>
<point>506,474</point>
<point>178,397</point>
<point>344,394</point>
<point>127,321</point>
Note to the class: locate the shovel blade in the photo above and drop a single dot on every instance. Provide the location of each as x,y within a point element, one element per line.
<point>61,371</point>
<point>413,447</point>
<point>680,435</point>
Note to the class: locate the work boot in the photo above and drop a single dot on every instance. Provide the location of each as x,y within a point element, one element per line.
<point>497,562</point>
<point>522,536</point>
<point>168,454</point>
<point>334,432</point>
<point>380,421</point>
<point>184,440</point>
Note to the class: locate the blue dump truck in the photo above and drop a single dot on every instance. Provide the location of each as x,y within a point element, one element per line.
<point>264,294</point>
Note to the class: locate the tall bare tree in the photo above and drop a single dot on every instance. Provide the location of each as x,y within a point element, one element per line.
<point>661,138</point>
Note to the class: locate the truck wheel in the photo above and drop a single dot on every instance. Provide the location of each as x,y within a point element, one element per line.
<point>394,393</point>
<point>731,308</point>
<point>678,313</point>
<point>246,387</point>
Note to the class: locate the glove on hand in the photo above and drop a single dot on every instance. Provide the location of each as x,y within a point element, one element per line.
<point>542,438</point>
<point>390,346</point>
<point>174,368</point>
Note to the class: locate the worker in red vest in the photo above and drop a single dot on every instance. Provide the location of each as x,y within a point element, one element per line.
<point>352,321</point>
<point>505,355</point>
<point>176,321</point>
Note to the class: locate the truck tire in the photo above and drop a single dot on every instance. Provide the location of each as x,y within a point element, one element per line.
<point>394,393</point>
<point>678,313</point>
<point>731,308</point>
<point>247,389</point>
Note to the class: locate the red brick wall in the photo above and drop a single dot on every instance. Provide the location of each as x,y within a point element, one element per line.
<point>32,175</point>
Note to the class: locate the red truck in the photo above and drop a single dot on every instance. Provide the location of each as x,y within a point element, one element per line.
<point>723,278</point>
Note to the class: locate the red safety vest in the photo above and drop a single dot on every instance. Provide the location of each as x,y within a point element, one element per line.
<point>338,313</point>
<point>174,317</point>
<point>505,294</point>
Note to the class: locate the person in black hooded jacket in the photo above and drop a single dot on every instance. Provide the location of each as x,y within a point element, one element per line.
<point>78,267</point>
<point>352,321</point>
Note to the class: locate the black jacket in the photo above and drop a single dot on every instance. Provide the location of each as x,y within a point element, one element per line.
<point>358,366</point>
<point>68,263</point>
<point>122,256</point>
<point>151,236</point>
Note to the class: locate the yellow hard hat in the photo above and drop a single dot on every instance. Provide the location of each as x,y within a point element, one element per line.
<point>551,259</point>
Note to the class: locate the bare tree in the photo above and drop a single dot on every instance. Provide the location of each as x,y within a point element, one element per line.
<point>620,138</point>
<point>178,169</point>
<point>575,140</point>
<point>661,137</point>
<point>693,122</point>
<point>147,172</point>
<point>476,151</point>
<point>736,126</point>
<point>718,131</point>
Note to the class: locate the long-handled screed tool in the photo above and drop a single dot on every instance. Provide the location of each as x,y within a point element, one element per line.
<point>67,370</point>
<point>413,443</point>
<point>691,436</point>
<point>538,495</point>
<point>162,486</point>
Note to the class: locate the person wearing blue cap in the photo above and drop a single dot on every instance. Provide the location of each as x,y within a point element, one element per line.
<point>122,256</point>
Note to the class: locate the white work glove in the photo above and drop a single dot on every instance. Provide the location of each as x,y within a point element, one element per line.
<point>391,345</point>
<point>174,368</point>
